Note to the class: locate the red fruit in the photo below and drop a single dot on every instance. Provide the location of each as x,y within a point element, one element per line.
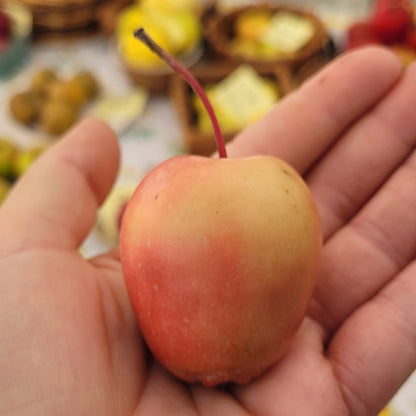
<point>381,5</point>
<point>5,27</point>
<point>3,44</point>
<point>219,286</point>
<point>391,20</point>
<point>360,34</point>
<point>410,38</point>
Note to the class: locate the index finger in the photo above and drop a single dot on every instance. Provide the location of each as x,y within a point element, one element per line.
<point>309,120</point>
<point>54,205</point>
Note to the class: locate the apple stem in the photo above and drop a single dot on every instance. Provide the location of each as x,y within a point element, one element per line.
<point>190,79</point>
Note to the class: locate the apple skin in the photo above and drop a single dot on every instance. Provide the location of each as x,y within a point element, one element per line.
<point>220,258</point>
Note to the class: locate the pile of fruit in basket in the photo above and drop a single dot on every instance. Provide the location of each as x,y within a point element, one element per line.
<point>53,102</point>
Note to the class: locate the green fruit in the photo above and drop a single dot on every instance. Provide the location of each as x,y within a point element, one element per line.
<point>23,159</point>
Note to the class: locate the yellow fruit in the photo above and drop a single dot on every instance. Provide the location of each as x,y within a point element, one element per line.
<point>238,100</point>
<point>183,30</point>
<point>245,48</point>
<point>137,54</point>
<point>191,29</point>
<point>385,412</point>
<point>250,25</point>
<point>250,49</point>
<point>268,52</point>
<point>226,123</point>
<point>130,19</point>
<point>175,31</point>
<point>132,50</point>
<point>24,158</point>
<point>288,32</point>
<point>172,5</point>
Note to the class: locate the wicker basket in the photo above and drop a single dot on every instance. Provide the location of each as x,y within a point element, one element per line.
<point>308,68</point>
<point>220,31</point>
<point>197,142</point>
<point>66,16</point>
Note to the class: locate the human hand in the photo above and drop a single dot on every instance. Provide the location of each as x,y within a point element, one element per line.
<point>69,342</point>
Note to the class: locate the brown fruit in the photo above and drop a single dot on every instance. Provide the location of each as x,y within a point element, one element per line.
<point>58,116</point>
<point>42,80</point>
<point>25,106</point>
<point>69,91</point>
<point>88,81</point>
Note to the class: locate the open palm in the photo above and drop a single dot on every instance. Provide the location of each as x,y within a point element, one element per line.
<point>69,343</point>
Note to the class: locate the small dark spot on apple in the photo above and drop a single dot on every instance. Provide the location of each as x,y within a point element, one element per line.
<point>286,172</point>
<point>156,196</point>
<point>287,191</point>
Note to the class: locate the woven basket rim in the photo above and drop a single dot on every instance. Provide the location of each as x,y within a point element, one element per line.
<point>219,41</point>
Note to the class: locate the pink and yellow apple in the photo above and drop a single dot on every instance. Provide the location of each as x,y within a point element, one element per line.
<point>220,258</point>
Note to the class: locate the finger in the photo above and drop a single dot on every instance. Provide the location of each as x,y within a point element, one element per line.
<point>302,383</point>
<point>366,155</point>
<point>374,351</point>
<point>216,402</point>
<point>164,395</point>
<point>305,123</point>
<point>55,203</point>
<point>371,250</point>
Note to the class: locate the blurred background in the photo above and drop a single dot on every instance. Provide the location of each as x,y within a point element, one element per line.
<point>62,60</point>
